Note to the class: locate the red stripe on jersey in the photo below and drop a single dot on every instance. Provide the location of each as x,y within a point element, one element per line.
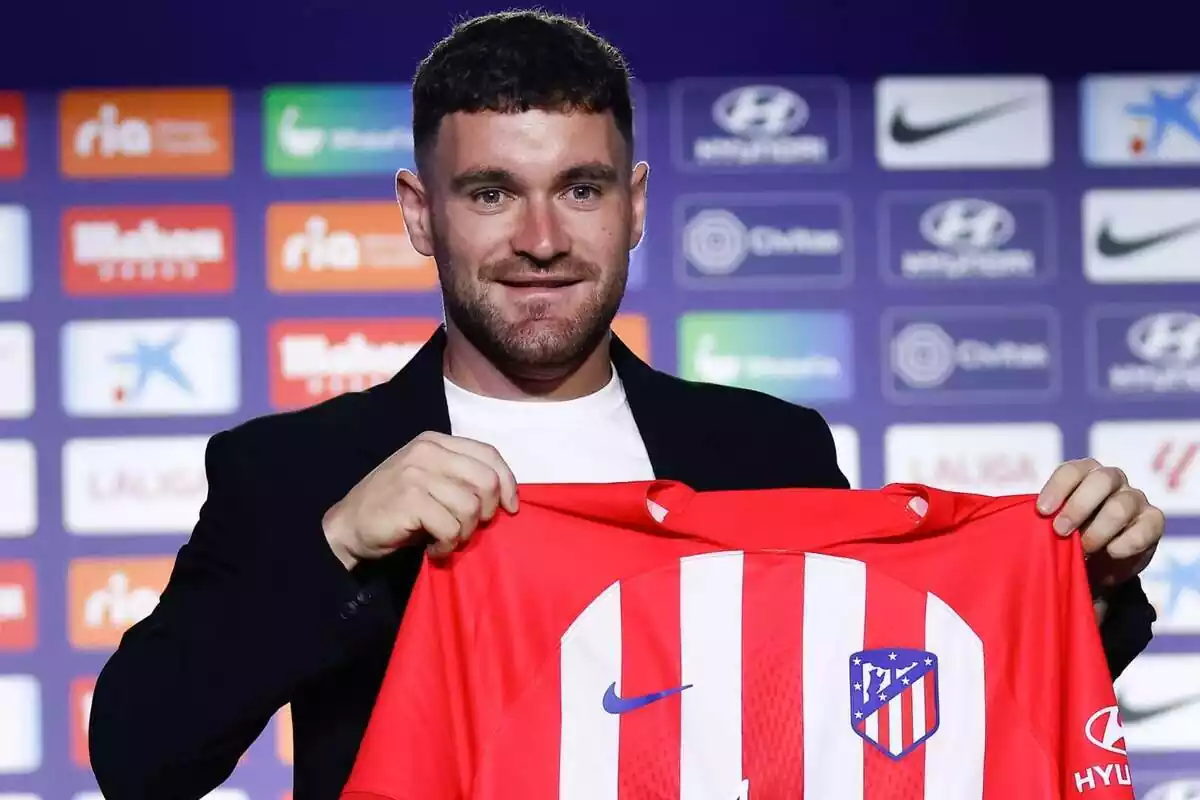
<point>895,618</point>
<point>651,662</point>
<point>772,649</point>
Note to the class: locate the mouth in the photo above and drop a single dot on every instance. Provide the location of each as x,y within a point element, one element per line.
<point>539,283</point>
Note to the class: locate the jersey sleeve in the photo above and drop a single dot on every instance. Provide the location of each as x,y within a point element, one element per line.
<point>1063,666</point>
<point>414,744</point>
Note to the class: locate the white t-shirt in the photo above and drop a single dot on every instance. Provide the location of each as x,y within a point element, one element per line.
<point>591,439</point>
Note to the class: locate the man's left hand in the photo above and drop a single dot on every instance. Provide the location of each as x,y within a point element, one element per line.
<point>1119,528</point>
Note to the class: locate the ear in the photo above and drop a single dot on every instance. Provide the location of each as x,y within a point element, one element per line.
<point>414,204</point>
<point>637,198</point>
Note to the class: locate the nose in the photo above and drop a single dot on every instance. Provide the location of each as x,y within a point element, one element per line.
<point>540,235</point>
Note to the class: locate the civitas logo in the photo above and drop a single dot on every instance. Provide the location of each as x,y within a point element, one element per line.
<point>717,242</point>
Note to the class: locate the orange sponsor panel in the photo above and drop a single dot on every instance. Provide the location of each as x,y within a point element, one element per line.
<point>107,596</point>
<point>148,250</point>
<point>13,133</point>
<point>634,331</point>
<point>343,247</point>
<point>81,714</point>
<point>143,133</point>
<point>18,606</point>
<point>283,735</point>
<point>313,360</point>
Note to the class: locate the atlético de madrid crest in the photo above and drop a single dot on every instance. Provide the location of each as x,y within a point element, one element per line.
<point>894,698</point>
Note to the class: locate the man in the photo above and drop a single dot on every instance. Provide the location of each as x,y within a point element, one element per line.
<point>292,584</point>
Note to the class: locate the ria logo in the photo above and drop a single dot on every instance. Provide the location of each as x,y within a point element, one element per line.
<point>760,111</point>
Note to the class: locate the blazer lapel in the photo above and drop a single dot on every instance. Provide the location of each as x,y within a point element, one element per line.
<point>674,441</point>
<point>411,402</point>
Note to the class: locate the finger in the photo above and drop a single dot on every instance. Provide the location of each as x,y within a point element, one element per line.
<point>1062,482</point>
<point>1109,523</point>
<point>1096,487</point>
<point>489,456</point>
<point>460,499</point>
<point>1140,537</point>
<point>437,521</point>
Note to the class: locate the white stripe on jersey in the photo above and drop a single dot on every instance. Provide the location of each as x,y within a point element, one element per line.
<point>591,737</point>
<point>835,611</point>
<point>954,755</point>
<point>710,608</point>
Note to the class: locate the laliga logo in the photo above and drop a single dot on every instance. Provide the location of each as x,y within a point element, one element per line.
<point>1104,730</point>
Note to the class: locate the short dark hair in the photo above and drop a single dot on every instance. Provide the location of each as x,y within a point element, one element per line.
<point>515,61</point>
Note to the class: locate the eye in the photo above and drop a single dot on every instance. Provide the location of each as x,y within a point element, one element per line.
<point>488,197</point>
<point>584,193</point>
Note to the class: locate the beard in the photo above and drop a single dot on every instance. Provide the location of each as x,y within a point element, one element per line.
<point>541,339</point>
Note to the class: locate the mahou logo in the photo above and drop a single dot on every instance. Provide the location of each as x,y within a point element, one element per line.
<point>126,250</point>
<point>12,135</point>
<point>150,132</point>
<point>313,360</point>
<point>343,247</point>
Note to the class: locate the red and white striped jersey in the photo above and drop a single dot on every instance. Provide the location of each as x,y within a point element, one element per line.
<point>640,640</point>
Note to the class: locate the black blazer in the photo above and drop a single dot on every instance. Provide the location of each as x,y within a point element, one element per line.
<point>258,612</point>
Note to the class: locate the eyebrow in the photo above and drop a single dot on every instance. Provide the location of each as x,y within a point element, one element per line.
<point>596,171</point>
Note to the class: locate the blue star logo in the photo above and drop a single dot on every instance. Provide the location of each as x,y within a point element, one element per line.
<point>1179,576</point>
<point>150,359</point>
<point>1166,111</point>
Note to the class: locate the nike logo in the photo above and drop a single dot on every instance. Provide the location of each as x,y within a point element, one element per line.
<point>904,132</point>
<point>623,705</point>
<point>1132,716</point>
<point>1113,247</point>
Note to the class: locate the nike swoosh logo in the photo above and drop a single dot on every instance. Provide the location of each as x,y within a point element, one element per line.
<point>1113,247</point>
<point>904,132</point>
<point>1132,716</point>
<point>623,705</point>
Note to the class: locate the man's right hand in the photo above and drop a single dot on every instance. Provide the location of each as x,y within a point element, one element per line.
<point>437,485</point>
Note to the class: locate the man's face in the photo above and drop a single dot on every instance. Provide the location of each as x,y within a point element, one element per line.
<point>531,217</point>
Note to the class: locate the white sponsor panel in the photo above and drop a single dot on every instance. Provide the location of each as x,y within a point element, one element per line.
<point>993,122</point>
<point>18,489</point>
<point>1172,583</point>
<point>15,258</point>
<point>16,370</point>
<point>1161,457</point>
<point>849,457</point>
<point>1146,120</point>
<point>1159,698</point>
<point>134,485</point>
<point>993,459</point>
<point>1141,235</point>
<point>20,725</point>
<point>159,367</point>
